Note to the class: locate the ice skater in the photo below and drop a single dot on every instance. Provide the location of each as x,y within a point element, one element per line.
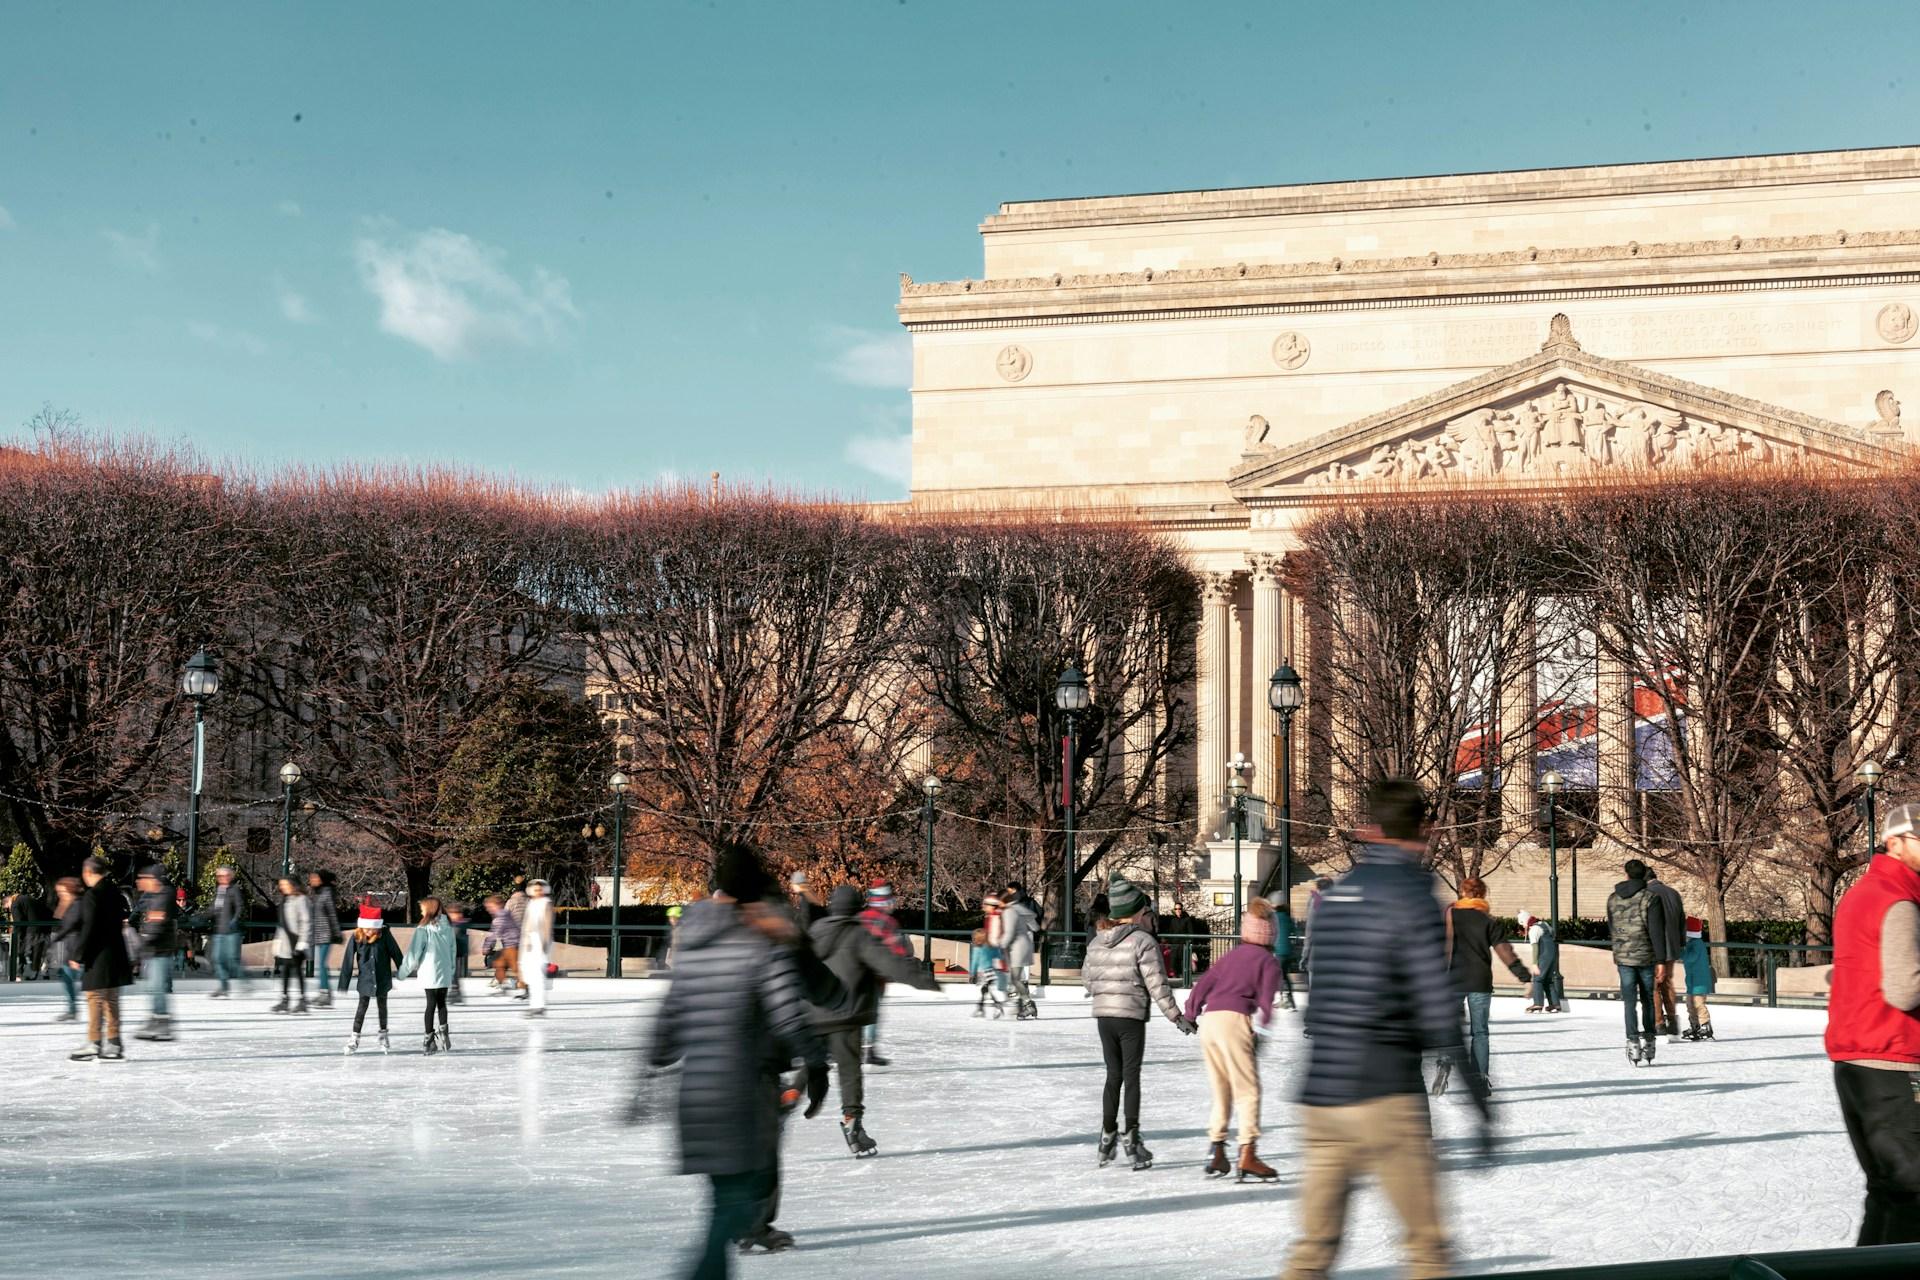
<point>1126,975</point>
<point>323,915</point>
<point>100,957</point>
<point>879,921</point>
<point>66,934</point>
<point>987,965</point>
<point>1020,925</point>
<point>863,964</point>
<point>1549,989</point>
<point>1698,963</point>
<point>371,955</point>
<point>430,953</point>
<point>457,917</point>
<point>290,937</point>
<point>536,945</point>
<point>229,919</point>
<point>1223,1004</point>
<point>503,944</point>
<point>155,915</point>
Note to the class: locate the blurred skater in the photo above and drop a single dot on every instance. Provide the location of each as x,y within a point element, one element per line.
<point>323,915</point>
<point>1548,991</point>
<point>1473,940</point>
<point>290,938</point>
<point>1698,964</point>
<point>1125,976</point>
<point>503,944</point>
<point>732,1017</point>
<point>864,964</point>
<point>1223,1004</point>
<point>1020,925</point>
<point>430,953</point>
<point>371,955</point>
<point>1381,998</point>
<point>457,917</point>
<point>878,919</point>
<point>987,965</point>
<point>155,916</point>
<point>229,919</point>
<point>1283,947</point>
<point>536,945</point>
<point>66,936</point>
<point>101,959</point>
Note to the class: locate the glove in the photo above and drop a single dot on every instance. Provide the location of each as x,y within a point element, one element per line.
<point>816,1090</point>
<point>1520,972</point>
<point>1187,1025</point>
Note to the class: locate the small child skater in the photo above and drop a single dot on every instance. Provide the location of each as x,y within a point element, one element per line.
<point>431,954</point>
<point>373,953</point>
<point>1699,966</point>
<point>988,962</point>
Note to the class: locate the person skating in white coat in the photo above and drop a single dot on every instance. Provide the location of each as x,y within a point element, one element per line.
<point>536,945</point>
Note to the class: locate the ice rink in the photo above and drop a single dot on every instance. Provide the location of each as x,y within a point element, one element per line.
<point>252,1143</point>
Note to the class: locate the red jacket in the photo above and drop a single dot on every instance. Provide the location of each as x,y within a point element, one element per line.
<point>883,926</point>
<point>1861,1025</point>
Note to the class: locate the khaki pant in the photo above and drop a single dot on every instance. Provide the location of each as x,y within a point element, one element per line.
<point>1697,1015</point>
<point>103,1006</point>
<point>507,960</point>
<point>1226,1040</point>
<point>1390,1138</point>
<point>1664,1008</point>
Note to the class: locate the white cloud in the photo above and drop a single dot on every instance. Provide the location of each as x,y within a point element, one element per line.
<point>450,293</point>
<point>288,208</point>
<point>294,306</point>
<point>887,455</point>
<point>6,219</point>
<point>867,359</point>
<point>139,250</point>
<point>226,339</point>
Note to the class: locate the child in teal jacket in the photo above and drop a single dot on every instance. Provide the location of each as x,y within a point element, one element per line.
<point>1699,967</point>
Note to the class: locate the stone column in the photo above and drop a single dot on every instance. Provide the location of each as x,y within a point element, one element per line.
<point>1213,691</point>
<point>1519,697</point>
<point>1614,744</point>
<point>1269,607</point>
<point>1344,726</point>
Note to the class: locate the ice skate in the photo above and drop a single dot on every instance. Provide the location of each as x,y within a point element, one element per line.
<point>1647,1047</point>
<point>1633,1052</point>
<point>1252,1167</point>
<point>1217,1165</point>
<point>521,994</point>
<point>216,995</point>
<point>1442,1076</point>
<point>112,1052</point>
<point>324,1000</point>
<point>446,1041</point>
<point>301,1007</point>
<point>858,1142</point>
<point>281,1007</point>
<point>1536,1008</point>
<point>431,1045</point>
<point>1109,1143</point>
<point>1142,1158</point>
<point>386,1046</point>
<point>873,1058</point>
<point>85,1053</point>
<point>353,1042</point>
<point>1286,1002</point>
<point>68,1016</point>
<point>772,1239</point>
<point>980,1011</point>
<point>156,1029</point>
<point>1706,1032</point>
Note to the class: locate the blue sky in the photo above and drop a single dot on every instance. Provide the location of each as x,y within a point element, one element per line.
<point>592,244</point>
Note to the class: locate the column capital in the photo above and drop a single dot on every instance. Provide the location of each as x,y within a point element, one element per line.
<point>1217,588</point>
<point>1267,568</point>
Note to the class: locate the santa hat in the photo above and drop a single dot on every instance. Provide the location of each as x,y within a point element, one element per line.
<point>1526,919</point>
<point>880,893</point>
<point>370,915</point>
<point>1695,926</point>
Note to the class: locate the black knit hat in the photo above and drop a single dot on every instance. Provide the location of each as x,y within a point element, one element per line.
<point>739,873</point>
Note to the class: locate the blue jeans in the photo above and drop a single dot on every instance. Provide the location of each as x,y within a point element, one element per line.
<point>71,981</point>
<point>1479,1005</point>
<point>1549,989</point>
<point>226,958</point>
<point>1636,994</point>
<point>156,975</point>
<point>320,952</point>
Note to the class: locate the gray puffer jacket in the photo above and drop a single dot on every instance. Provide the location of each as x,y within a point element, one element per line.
<point>1123,970</point>
<point>733,1019</point>
<point>1019,923</point>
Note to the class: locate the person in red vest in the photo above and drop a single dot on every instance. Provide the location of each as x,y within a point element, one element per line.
<point>1873,1029</point>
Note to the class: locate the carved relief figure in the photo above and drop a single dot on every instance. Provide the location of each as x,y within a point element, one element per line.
<point>1563,419</point>
<point>1384,463</point>
<point>1897,322</point>
<point>1632,438</point>
<point>1889,410</point>
<point>1596,424</point>
<point>1257,430</point>
<point>1529,426</point>
<point>1478,439</point>
<point>1291,350</point>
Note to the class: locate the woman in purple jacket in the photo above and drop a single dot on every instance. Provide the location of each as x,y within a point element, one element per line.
<point>1223,1003</point>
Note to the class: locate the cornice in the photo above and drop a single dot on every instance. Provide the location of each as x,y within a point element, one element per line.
<point>1731,173</point>
<point>1671,266</point>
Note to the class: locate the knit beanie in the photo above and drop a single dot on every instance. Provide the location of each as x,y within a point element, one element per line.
<point>880,894</point>
<point>1124,897</point>
<point>1257,928</point>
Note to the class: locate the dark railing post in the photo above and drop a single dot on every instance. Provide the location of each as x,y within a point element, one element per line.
<point>1773,978</point>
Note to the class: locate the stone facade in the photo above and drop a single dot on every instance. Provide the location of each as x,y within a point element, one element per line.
<point>1217,363</point>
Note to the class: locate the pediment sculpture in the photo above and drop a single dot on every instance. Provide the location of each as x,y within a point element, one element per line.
<point>1559,432</point>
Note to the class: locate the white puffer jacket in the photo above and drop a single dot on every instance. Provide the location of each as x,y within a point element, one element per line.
<point>1123,971</point>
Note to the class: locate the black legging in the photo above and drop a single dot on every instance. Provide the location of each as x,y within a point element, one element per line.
<point>293,969</point>
<point>1123,1041</point>
<point>360,1014</point>
<point>436,999</point>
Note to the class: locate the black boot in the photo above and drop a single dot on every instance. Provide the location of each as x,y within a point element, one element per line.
<point>1142,1158</point>
<point>858,1142</point>
<point>1217,1164</point>
<point>872,1058</point>
<point>430,1045</point>
<point>1109,1143</point>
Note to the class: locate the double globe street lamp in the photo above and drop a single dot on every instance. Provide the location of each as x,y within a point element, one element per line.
<point>290,775</point>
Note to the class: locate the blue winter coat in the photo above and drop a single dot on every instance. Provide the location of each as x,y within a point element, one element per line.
<point>375,962</point>
<point>431,953</point>
<point>1699,965</point>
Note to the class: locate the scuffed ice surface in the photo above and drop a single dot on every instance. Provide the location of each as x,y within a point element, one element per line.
<point>251,1143</point>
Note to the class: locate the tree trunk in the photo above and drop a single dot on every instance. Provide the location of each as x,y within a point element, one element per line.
<point>1823,884</point>
<point>419,885</point>
<point>1717,927</point>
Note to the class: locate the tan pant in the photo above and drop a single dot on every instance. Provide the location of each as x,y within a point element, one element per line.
<point>1226,1039</point>
<point>1390,1138</point>
<point>507,960</point>
<point>1697,1015</point>
<point>1663,1006</point>
<point>103,1006</point>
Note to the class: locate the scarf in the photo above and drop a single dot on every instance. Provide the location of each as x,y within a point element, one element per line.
<point>1472,904</point>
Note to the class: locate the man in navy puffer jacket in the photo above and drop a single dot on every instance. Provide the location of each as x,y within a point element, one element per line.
<point>1381,1000</point>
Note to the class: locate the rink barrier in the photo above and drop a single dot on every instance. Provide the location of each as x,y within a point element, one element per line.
<point>1872,1262</point>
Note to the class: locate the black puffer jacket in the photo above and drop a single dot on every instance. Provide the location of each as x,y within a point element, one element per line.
<point>733,1016</point>
<point>1381,994</point>
<point>155,919</point>
<point>861,962</point>
<point>101,947</point>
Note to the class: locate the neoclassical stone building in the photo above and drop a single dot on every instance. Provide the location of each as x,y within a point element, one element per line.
<point>1217,362</point>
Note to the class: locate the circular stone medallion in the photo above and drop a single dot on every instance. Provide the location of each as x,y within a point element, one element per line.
<point>1291,350</point>
<point>1896,322</point>
<point>1014,363</point>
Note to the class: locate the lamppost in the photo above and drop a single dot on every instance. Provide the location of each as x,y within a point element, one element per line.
<point>290,775</point>
<point>1870,773</point>
<point>1551,785</point>
<point>1072,697</point>
<point>618,782</point>
<point>1286,696</point>
<point>1237,770</point>
<point>200,681</point>
<point>930,788</point>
